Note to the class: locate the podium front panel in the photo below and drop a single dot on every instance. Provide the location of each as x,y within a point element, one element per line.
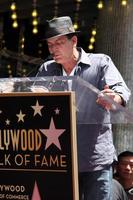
<point>38,151</point>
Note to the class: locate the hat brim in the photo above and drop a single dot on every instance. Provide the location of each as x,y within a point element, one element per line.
<point>61,34</point>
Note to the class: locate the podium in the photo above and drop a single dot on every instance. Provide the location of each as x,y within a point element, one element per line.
<point>38,144</point>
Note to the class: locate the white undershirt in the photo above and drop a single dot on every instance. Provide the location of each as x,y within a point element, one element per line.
<point>71,74</point>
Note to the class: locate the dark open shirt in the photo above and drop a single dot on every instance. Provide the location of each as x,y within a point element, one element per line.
<point>95,144</point>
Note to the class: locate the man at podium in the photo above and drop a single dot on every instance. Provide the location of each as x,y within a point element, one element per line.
<point>96,152</point>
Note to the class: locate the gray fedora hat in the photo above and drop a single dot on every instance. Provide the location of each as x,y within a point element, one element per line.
<point>59,26</point>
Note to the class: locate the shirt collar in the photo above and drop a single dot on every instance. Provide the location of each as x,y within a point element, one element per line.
<point>84,58</point>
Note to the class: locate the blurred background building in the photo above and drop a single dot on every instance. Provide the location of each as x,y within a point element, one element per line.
<point>106,27</point>
<point>22,30</point>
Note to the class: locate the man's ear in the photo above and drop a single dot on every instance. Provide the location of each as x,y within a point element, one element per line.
<point>74,39</point>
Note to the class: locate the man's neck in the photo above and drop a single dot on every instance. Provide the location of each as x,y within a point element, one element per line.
<point>68,66</point>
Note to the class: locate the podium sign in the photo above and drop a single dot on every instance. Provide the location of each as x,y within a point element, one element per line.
<point>38,154</point>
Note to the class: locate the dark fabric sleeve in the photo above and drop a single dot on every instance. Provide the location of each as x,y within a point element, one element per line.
<point>112,77</point>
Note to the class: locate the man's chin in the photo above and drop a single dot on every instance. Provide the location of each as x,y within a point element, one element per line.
<point>57,60</point>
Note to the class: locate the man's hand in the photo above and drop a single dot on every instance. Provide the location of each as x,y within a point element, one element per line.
<point>104,102</point>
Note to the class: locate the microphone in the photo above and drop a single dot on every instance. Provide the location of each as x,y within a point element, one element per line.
<point>34,70</point>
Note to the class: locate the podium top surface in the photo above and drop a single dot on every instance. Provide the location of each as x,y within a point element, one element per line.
<point>88,112</point>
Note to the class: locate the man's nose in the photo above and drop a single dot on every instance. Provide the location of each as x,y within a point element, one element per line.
<point>53,50</point>
<point>128,167</point>
<point>54,46</point>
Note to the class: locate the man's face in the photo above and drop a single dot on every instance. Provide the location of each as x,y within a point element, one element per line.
<point>125,167</point>
<point>61,48</point>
